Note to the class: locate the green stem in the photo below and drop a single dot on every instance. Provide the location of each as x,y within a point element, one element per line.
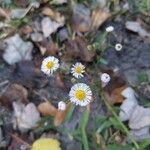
<point>83,124</point>
<point>85,140</point>
<point>117,118</point>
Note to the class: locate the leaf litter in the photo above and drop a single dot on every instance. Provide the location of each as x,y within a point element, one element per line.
<point>53,31</point>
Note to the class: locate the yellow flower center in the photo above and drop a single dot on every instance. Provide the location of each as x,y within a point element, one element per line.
<point>80,94</point>
<point>78,69</point>
<point>50,65</point>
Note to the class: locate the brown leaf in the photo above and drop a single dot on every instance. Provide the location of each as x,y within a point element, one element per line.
<point>15,92</point>
<point>77,48</point>
<point>60,115</point>
<point>56,16</point>
<point>114,88</point>
<point>99,16</point>
<point>116,95</point>
<point>46,108</point>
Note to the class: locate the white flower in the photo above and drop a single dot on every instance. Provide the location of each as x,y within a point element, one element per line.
<point>118,47</point>
<point>49,65</point>
<point>77,70</point>
<point>62,106</point>
<point>110,29</point>
<point>80,94</point>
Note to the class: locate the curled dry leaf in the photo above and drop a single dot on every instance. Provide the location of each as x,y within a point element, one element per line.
<point>60,115</point>
<point>14,92</point>
<point>77,48</point>
<point>46,108</point>
<point>17,50</point>
<point>138,28</point>
<point>99,16</point>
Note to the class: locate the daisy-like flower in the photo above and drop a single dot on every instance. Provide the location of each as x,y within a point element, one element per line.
<point>118,47</point>
<point>77,70</point>
<point>80,94</point>
<point>110,29</point>
<point>49,65</point>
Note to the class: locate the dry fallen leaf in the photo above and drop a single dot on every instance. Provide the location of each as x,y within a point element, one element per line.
<point>141,134</point>
<point>14,92</point>
<point>18,144</point>
<point>49,26</point>
<point>99,16</point>
<point>46,144</point>
<point>137,27</point>
<point>46,108</point>
<point>127,108</point>
<point>117,96</point>
<point>114,88</point>
<point>77,48</point>
<point>140,118</point>
<point>56,16</point>
<point>27,117</point>
<point>17,50</point>
<point>48,47</point>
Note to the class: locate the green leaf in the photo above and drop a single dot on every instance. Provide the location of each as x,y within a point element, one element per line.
<point>119,147</point>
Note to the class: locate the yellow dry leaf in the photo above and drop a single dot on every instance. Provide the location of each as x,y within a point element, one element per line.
<point>46,144</point>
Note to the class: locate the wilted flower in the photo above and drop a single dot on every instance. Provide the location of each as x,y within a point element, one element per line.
<point>105,78</point>
<point>80,94</point>
<point>118,47</point>
<point>110,29</point>
<point>49,65</point>
<point>77,70</point>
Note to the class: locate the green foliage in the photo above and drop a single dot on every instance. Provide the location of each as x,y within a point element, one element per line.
<point>119,147</point>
